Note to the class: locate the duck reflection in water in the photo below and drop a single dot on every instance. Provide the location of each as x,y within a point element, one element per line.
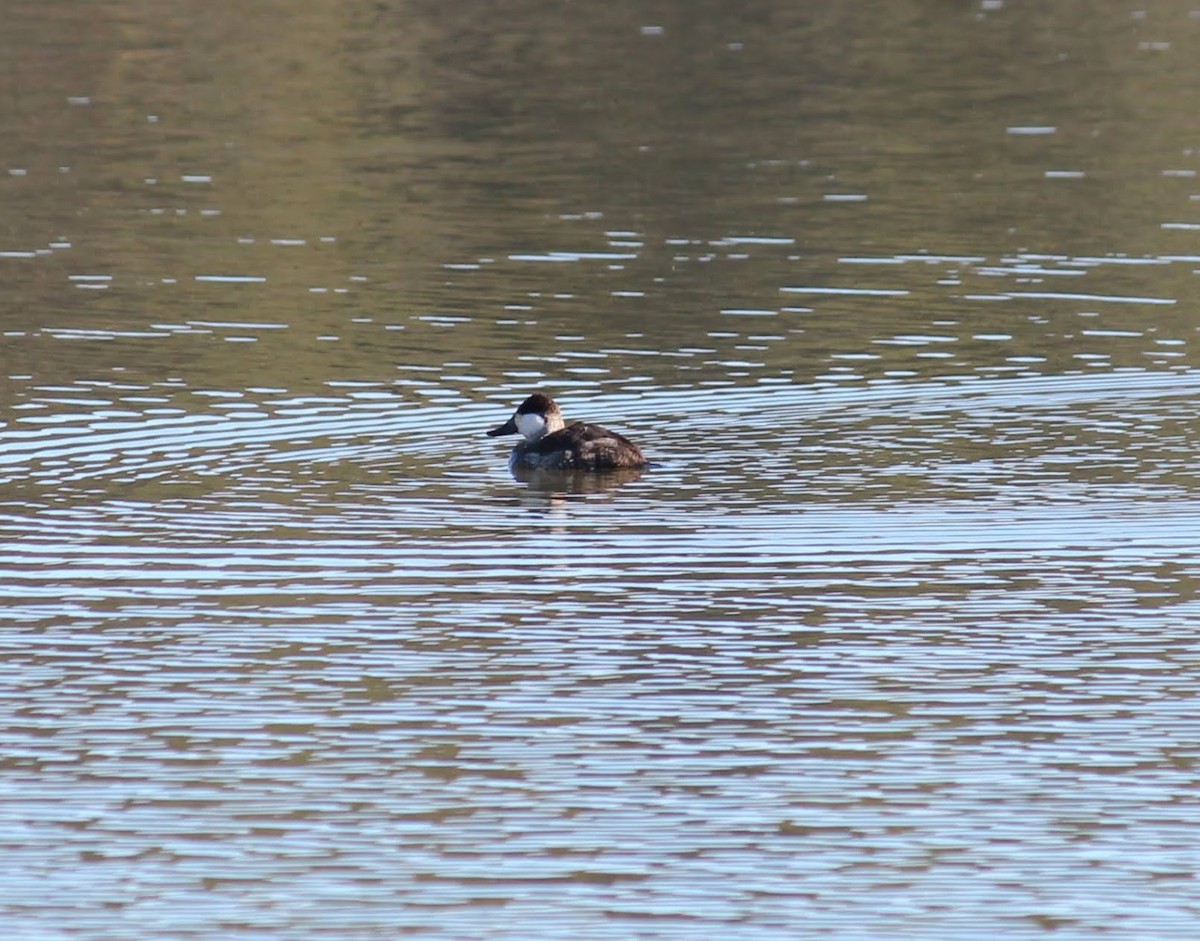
<point>551,445</point>
<point>560,483</point>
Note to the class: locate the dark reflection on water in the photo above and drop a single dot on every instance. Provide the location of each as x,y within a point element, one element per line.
<point>575,482</point>
<point>895,639</point>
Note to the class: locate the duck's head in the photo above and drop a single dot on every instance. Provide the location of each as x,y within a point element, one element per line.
<point>537,416</point>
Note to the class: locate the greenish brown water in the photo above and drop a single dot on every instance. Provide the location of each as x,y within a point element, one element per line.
<point>895,640</point>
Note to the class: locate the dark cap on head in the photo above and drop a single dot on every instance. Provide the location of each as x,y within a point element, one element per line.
<point>538,404</point>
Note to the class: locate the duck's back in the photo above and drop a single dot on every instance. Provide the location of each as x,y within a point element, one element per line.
<point>580,445</point>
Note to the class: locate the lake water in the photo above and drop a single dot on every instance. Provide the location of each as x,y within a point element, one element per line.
<point>896,639</point>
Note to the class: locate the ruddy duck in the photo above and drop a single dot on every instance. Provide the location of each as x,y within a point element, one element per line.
<point>552,445</point>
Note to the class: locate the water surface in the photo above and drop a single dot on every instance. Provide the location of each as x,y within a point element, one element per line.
<point>896,638</point>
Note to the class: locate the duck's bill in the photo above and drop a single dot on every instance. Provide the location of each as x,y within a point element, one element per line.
<point>508,428</point>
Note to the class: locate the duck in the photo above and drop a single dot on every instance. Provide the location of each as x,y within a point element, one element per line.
<point>551,444</point>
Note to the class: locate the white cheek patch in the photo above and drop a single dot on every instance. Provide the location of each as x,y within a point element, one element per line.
<point>531,426</point>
